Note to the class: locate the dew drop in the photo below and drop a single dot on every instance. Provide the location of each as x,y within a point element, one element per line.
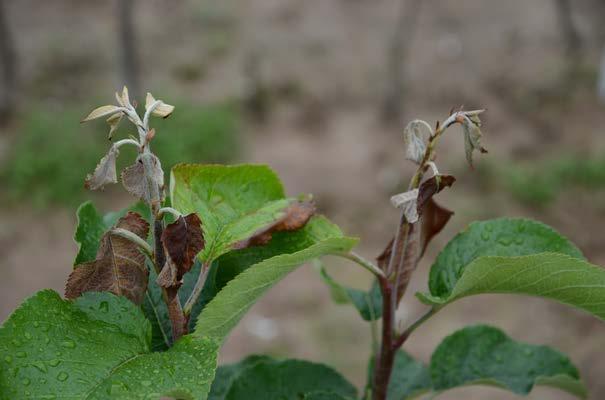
<point>21,354</point>
<point>146,383</point>
<point>45,328</point>
<point>54,362</point>
<point>62,376</point>
<point>28,335</point>
<point>26,382</point>
<point>519,240</point>
<point>70,344</point>
<point>36,324</point>
<point>485,235</point>
<point>104,307</point>
<point>40,366</point>
<point>505,241</point>
<point>8,359</point>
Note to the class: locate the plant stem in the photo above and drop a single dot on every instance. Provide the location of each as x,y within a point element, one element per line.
<point>386,358</point>
<point>128,235</point>
<point>362,262</point>
<point>197,290</point>
<point>408,331</point>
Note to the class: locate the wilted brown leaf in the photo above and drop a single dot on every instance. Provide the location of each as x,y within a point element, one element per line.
<point>295,217</point>
<point>119,267</point>
<point>432,219</point>
<point>182,241</point>
<point>105,172</point>
<point>431,187</point>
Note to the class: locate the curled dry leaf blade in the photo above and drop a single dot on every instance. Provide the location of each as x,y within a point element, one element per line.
<point>295,217</point>
<point>182,241</point>
<point>161,110</point>
<point>114,121</point>
<point>135,181</point>
<point>119,267</point>
<point>100,112</point>
<point>105,172</point>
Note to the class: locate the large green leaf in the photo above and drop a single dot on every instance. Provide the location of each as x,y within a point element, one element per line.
<point>319,237</point>
<point>263,378</point>
<point>485,355</point>
<point>368,303</point>
<point>498,237</point>
<point>234,202</point>
<point>229,373</point>
<point>97,347</point>
<point>555,276</point>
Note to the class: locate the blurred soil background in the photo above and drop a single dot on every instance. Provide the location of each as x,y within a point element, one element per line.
<point>320,90</point>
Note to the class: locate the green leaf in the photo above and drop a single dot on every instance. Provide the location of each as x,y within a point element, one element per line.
<point>319,237</point>
<point>91,226</point>
<point>559,277</point>
<point>409,378</point>
<point>97,347</point>
<point>227,374</point>
<point>498,237</point>
<point>485,355</point>
<point>324,395</point>
<point>233,202</point>
<point>289,379</point>
<point>367,303</point>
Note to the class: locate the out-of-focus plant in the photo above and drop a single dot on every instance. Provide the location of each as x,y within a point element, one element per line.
<point>157,288</point>
<point>52,147</point>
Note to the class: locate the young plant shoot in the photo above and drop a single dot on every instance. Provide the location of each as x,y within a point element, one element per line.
<point>157,287</point>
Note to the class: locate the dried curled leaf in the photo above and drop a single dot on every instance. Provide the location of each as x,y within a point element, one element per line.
<point>415,145</point>
<point>408,203</point>
<point>431,219</point>
<point>105,172</point>
<point>472,136</point>
<point>431,187</point>
<point>100,112</point>
<point>182,241</point>
<point>119,266</point>
<point>162,110</point>
<point>135,180</point>
<point>114,121</point>
<point>295,217</point>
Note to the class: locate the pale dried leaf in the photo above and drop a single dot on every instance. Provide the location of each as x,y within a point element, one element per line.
<point>105,172</point>
<point>135,181</point>
<point>162,110</point>
<point>113,122</point>
<point>415,145</point>
<point>100,112</point>
<point>407,202</point>
<point>119,267</point>
<point>125,97</point>
<point>472,137</point>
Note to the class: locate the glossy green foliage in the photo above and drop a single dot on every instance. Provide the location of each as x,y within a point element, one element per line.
<point>262,378</point>
<point>498,237</point>
<point>97,347</point>
<point>484,355</point>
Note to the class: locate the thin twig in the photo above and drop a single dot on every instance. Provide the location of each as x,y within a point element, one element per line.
<point>133,237</point>
<point>400,340</point>
<point>362,262</point>
<point>197,290</point>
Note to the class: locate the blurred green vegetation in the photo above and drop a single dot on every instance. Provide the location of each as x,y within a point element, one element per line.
<point>539,184</point>
<point>51,153</point>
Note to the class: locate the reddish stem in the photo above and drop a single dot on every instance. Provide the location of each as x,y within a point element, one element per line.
<point>386,358</point>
